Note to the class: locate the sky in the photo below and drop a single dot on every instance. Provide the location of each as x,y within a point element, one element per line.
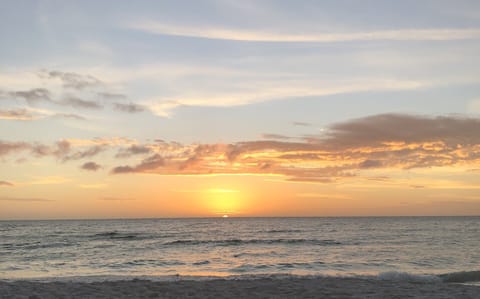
<point>131,109</point>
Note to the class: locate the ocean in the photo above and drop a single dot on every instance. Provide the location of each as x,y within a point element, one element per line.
<point>204,247</point>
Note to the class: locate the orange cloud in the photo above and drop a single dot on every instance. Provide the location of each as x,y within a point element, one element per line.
<point>388,141</point>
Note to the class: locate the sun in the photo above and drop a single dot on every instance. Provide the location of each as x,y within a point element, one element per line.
<point>224,202</point>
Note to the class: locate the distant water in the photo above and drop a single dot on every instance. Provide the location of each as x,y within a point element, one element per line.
<point>232,246</point>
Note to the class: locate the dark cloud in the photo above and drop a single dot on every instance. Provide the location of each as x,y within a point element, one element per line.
<point>33,96</point>
<point>79,103</point>
<point>123,169</point>
<point>129,108</point>
<point>151,163</point>
<point>16,114</point>
<point>133,150</point>
<point>87,153</point>
<point>275,136</point>
<point>91,166</point>
<point>370,164</point>
<point>5,183</point>
<point>73,80</point>
<point>384,128</point>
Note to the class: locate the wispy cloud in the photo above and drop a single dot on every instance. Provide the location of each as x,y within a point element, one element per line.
<point>116,198</point>
<point>68,116</point>
<point>93,186</point>
<point>16,114</point>
<point>26,199</point>
<point>133,150</point>
<point>6,184</point>
<point>50,180</point>
<point>301,123</point>
<point>72,80</point>
<point>318,37</point>
<point>129,108</point>
<point>33,96</point>
<point>269,91</point>
<point>275,137</point>
<point>80,103</point>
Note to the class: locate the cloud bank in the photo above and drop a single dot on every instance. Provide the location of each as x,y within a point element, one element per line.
<point>344,150</point>
<point>381,141</point>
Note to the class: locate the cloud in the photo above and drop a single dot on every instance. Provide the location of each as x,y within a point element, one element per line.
<point>33,96</point>
<point>62,150</point>
<point>133,150</point>
<point>112,96</point>
<point>370,164</point>
<point>20,199</point>
<point>72,80</point>
<point>50,180</point>
<point>474,106</point>
<point>10,147</point>
<point>300,123</point>
<point>275,136</point>
<point>353,148</point>
<point>86,153</point>
<point>115,198</point>
<point>16,114</point>
<point>79,103</point>
<point>91,166</point>
<point>151,163</point>
<point>316,37</point>
<point>6,184</point>
<point>270,91</point>
<point>69,115</point>
<point>388,141</point>
<point>130,108</point>
<point>387,128</point>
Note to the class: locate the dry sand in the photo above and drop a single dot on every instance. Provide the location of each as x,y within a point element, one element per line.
<point>298,287</point>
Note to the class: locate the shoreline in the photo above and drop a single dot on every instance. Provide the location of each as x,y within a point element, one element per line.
<point>215,287</point>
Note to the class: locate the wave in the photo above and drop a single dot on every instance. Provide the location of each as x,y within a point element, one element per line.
<point>461,277</point>
<point>404,276</point>
<point>453,277</point>
<point>35,245</point>
<point>280,231</point>
<point>239,242</point>
<point>114,235</point>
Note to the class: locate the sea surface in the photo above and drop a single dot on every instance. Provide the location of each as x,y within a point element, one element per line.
<point>239,246</point>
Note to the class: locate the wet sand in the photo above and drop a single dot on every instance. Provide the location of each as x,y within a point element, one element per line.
<point>319,287</point>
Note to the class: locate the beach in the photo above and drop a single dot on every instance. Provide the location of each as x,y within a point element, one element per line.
<point>286,287</point>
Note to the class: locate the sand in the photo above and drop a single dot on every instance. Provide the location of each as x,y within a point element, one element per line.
<point>297,287</point>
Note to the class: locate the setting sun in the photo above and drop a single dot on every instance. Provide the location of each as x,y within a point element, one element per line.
<point>224,202</point>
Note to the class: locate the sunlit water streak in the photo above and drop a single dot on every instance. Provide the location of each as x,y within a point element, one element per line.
<point>230,246</point>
